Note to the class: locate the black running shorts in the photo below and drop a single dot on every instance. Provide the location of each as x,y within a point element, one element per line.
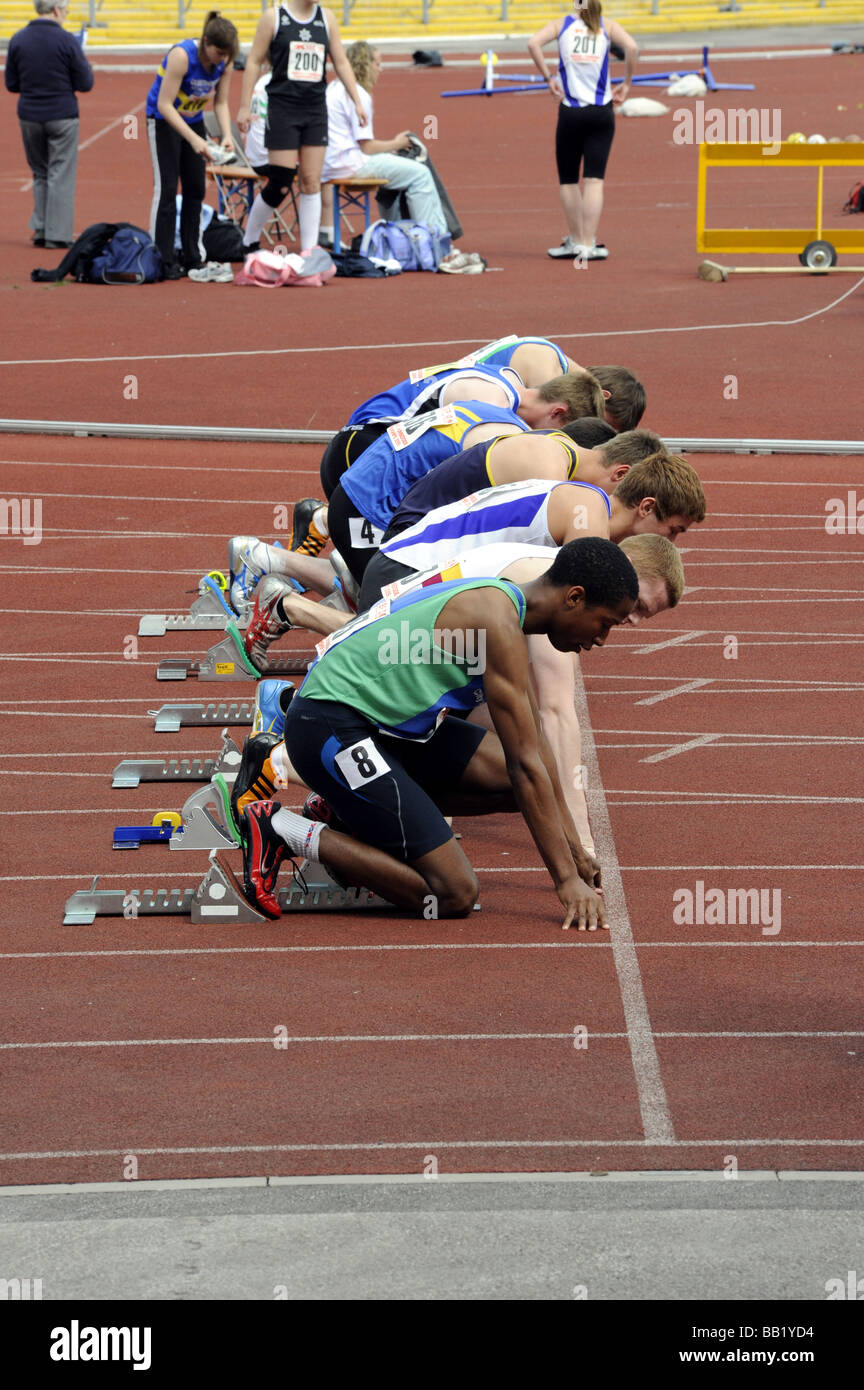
<point>382,788</point>
<point>584,135</point>
<point>344,449</point>
<point>291,127</point>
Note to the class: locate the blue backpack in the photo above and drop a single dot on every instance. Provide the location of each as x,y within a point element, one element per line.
<point>130,257</point>
<point>413,244</point>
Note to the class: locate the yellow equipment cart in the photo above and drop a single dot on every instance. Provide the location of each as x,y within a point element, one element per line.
<point>816,246</point>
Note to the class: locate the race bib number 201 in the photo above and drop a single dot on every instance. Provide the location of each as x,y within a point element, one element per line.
<point>305,61</point>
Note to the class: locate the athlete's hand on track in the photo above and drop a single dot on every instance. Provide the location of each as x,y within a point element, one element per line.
<point>243,121</point>
<point>581,905</point>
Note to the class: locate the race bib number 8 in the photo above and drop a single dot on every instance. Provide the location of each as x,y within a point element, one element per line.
<point>305,61</point>
<point>360,764</point>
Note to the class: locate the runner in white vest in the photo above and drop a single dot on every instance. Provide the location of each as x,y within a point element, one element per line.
<point>586,119</point>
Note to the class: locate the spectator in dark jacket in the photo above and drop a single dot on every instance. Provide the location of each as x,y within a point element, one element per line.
<point>47,67</point>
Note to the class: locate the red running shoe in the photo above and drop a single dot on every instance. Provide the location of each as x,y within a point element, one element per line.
<point>263,852</point>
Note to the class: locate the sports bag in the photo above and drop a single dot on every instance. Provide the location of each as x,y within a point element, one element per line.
<point>130,257</point>
<point>414,245</point>
<point>272,269</point>
<point>223,241</point>
<point>93,243</point>
<point>855,201</point>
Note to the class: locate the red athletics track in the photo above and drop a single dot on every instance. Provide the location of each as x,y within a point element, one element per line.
<point>333,349</point>
<point>155,1038</point>
<point>432,1072</point>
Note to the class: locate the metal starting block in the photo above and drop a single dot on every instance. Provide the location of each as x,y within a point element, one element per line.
<point>218,898</point>
<point>205,823</point>
<point>170,718</point>
<point>227,661</point>
<point>208,612</point>
<point>134,770</point>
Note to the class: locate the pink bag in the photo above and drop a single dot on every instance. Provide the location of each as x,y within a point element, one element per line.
<point>272,269</point>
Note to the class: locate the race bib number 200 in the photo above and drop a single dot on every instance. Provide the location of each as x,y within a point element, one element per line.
<point>305,61</point>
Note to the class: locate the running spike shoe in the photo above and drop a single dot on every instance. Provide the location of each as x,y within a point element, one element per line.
<point>263,852</point>
<point>237,547</point>
<point>306,537</point>
<point>272,699</point>
<point>254,564</point>
<point>268,621</point>
<point>256,777</point>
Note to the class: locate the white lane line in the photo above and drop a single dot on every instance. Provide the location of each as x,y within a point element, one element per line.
<point>678,690</point>
<point>581,939</point>
<point>673,641</point>
<point>687,747</point>
<point>653,1103</point>
<point>337,1038</point>
<point>451,342</point>
<point>496,869</point>
<point>433,1145</point>
<point>180,467</point>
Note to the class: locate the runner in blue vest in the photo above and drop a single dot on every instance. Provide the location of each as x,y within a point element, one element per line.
<point>189,74</point>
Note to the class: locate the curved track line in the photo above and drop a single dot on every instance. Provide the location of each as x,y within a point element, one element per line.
<point>453,342</point>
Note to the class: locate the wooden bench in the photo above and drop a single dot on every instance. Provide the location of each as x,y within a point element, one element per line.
<point>352,193</point>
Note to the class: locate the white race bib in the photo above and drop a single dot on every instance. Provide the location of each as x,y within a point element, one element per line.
<point>360,764</point>
<point>364,536</point>
<point>405,432</point>
<point>305,61</point>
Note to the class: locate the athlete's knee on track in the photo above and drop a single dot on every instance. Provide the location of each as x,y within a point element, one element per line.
<point>455,897</point>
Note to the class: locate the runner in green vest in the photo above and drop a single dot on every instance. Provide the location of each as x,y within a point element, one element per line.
<point>375,729</point>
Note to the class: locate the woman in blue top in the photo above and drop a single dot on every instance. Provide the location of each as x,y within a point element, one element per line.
<point>586,118</point>
<point>189,74</point>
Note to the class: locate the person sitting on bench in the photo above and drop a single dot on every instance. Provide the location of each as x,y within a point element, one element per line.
<point>353,152</point>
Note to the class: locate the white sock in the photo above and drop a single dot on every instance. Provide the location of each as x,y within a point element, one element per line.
<point>279,761</point>
<point>310,219</point>
<point>319,521</point>
<point>259,215</point>
<point>326,232</point>
<point>300,835</point>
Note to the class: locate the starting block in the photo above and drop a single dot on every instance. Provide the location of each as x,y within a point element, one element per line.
<point>227,661</point>
<point>218,898</point>
<point>170,718</point>
<point>209,612</point>
<point>205,823</point>
<point>134,770</point>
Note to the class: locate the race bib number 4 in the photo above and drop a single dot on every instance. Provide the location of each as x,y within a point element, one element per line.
<point>360,764</point>
<point>305,61</point>
<point>364,536</point>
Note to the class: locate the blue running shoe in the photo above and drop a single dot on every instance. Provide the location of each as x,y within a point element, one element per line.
<point>272,699</point>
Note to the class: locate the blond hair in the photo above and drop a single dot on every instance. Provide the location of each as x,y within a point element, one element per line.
<point>655,557</point>
<point>590,12</point>
<point>361,55</point>
<point>631,447</point>
<point>578,391</point>
<point>671,481</point>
